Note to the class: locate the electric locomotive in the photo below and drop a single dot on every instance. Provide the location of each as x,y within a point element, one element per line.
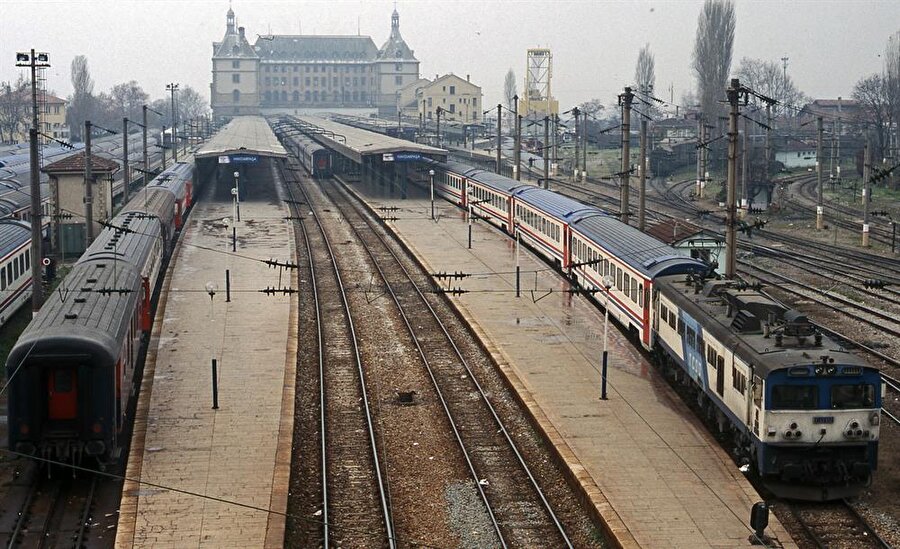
<point>804,412</point>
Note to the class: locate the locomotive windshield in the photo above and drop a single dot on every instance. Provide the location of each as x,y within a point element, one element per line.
<point>852,396</point>
<point>794,397</point>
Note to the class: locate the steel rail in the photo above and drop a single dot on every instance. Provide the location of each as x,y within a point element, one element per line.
<point>471,375</point>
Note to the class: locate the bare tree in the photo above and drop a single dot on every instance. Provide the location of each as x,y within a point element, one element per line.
<point>769,79</point>
<point>892,85</point>
<point>14,109</point>
<point>645,71</point>
<point>191,104</point>
<point>126,100</point>
<point>712,54</point>
<point>81,103</point>
<point>509,92</point>
<point>871,92</point>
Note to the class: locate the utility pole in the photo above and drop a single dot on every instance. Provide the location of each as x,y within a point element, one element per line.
<point>867,189</point>
<point>734,97</point>
<point>745,179</point>
<point>643,176</point>
<point>546,152</point>
<point>144,138</point>
<point>820,200</point>
<point>768,139</point>
<point>518,140</point>
<point>701,143</point>
<point>173,87</point>
<point>625,101</point>
<point>499,135</point>
<point>88,187</point>
<point>163,148</point>
<point>576,112</point>
<point>438,111</point>
<point>556,139</point>
<point>584,132</point>
<point>126,167</point>
<point>34,61</point>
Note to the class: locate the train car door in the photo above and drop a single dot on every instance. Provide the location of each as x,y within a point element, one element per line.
<point>62,391</point>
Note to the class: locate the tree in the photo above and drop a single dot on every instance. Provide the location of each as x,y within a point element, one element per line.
<point>190,104</point>
<point>645,71</point>
<point>81,102</point>
<point>15,100</point>
<point>126,100</point>
<point>769,79</point>
<point>645,78</point>
<point>509,92</point>
<point>712,54</point>
<point>871,92</point>
<point>892,85</point>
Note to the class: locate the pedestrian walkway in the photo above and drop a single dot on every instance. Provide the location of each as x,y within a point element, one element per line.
<point>653,472</point>
<point>232,464</point>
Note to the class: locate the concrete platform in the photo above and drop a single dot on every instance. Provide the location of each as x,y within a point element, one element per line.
<point>644,461</point>
<point>238,456</point>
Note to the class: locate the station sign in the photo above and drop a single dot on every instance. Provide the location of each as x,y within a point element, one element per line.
<point>401,157</point>
<point>239,159</point>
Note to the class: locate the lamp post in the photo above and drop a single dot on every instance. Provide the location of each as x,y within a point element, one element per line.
<point>608,284</point>
<point>518,268</point>
<point>235,192</point>
<point>431,175</point>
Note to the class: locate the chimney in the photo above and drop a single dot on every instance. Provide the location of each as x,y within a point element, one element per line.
<point>467,78</point>
<point>241,32</point>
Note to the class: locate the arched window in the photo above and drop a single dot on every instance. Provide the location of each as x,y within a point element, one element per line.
<point>236,96</point>
<point>296,96</point>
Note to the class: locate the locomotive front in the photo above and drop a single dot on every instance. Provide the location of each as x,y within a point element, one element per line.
<point>820,428</point>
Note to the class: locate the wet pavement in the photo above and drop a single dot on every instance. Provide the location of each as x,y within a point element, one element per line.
<point>654,473</point>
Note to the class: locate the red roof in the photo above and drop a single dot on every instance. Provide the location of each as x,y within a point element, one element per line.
<point>75,163</point>
<point>672,231</point>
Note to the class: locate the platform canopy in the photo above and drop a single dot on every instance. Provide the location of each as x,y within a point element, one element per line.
<point>356,143</point>
<point>243,139</point>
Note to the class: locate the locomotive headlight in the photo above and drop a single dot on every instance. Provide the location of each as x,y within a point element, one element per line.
<point>96,427</point>
<point>24,429</point>
<point>875,418</point>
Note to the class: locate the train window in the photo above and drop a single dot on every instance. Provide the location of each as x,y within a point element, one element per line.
<point>690,336</point>
<point>794,397</point>
<point>852,396</point>
<point>619,274</point>
<point>3,279</point>
<point>15,265</point>
<point>9,273</point>
<point>710,356</point>
<point>738,380</point>
<point>673,318</point>
<point>663,313</point>
<point>680,327</point>
<point>62,381</point>
<point>641,297</point>
<point>27,259</point>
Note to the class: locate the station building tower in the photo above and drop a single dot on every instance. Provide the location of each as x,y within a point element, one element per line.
<point>235,74</point>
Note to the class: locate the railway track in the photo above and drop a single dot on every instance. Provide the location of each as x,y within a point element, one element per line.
<point>355,508</point>
<point>51,512</point>
<point>836,525</point>
<point>519,511</point>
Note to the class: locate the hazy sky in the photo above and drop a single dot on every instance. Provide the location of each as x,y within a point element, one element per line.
<point>831,44</point>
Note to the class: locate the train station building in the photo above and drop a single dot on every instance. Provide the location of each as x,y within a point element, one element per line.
<point>308,74</point>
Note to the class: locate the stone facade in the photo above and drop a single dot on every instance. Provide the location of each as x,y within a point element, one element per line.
<point>305,73</point>
<point>460,99</point>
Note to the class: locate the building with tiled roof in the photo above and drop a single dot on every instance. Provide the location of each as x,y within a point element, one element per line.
<point>302,74</point>
<point>52,111</point>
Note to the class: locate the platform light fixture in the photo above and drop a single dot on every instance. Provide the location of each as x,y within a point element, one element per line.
<point>608,283</point>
